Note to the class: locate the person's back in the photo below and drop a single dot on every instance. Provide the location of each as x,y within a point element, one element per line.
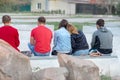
<point>78,41</point>
<point>62,40</point>
<point>105,36</point>
<point>8,33</point>
<point>102,39</point>
<point>40,39</point>
<point>43,37</point>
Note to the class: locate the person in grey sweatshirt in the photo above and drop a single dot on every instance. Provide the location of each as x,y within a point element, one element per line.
<point>102,39</point>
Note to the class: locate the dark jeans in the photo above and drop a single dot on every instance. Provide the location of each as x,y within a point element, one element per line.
<point>54,52</point>
<point>97,47</point>
<point>105,51</point>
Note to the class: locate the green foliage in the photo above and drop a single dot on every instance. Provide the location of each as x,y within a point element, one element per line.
<point>103,77</point>
<point>14,6</point>
<point>5,6</point>
<point>76,24</point>
<point>55,24</point>
<point>118,9</point>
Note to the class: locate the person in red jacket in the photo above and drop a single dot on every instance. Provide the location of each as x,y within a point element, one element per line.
<point>40,39</point>
<point>9,33</point>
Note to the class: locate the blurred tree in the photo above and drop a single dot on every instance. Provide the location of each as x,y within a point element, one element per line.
<point>108,4</point>
<point>5,5</point>
<point>118,9</point>
<point>12,5</point>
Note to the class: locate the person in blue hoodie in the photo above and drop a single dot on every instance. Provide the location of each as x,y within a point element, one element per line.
<point>102,39</point>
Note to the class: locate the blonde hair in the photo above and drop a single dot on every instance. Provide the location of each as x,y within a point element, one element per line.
<point>73,29</point>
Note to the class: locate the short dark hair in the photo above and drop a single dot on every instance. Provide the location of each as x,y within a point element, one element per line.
<point>100,22</point>
<point>41,20</point>
<point>63,23</point>
<point>6,19</point>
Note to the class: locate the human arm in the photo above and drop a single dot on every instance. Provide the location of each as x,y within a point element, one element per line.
<point>55,39</point>
<point>93,40</point>
<point>72,41</point>
<point>17,42</point>
<point>32,41</point>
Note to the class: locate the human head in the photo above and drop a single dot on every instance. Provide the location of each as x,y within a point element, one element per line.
<point>6,19</point>
<point>63,23</point>
<point>41,20</point>
<point>72,29</point>
<point>100,23</point>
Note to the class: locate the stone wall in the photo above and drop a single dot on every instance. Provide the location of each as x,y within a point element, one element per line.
<point>16,66</point>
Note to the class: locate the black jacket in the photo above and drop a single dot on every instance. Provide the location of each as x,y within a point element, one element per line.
<point>79,41</point>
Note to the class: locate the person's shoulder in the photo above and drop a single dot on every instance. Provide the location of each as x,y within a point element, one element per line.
<point>1,27</point>
<point>35,28</point>
<point>109,31</point>
<point>80,32</point>
<point>13,28</point>
<point>47,28</point>
<point>56,31</point>
<point>95,32</point>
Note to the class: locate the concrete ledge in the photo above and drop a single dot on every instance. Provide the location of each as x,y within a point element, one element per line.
<point>81,57</point>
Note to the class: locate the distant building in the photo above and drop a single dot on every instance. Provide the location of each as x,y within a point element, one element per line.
<point>68,6</point>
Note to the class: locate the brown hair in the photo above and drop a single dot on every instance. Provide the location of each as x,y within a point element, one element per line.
<point>72,29</point>
<point>6,19</point>
<point>100,22</point>
<point>41,20</point>
<point>63,23</point>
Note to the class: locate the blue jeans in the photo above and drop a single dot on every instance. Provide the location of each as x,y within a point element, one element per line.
<point>81,52</point>
<point>31,47</point>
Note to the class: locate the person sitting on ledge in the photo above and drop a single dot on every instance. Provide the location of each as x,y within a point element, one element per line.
<point>102,39</point>
<point>9,33</point>
<point>62,40</point>
<point>40,39</point>
<point>78,41</point>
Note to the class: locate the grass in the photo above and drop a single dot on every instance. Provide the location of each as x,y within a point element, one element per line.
<point>82,16</point>
<point>77,24</point>
<point>103,77</point>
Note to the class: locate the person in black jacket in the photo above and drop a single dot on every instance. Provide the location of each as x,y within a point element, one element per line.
<point>78,41</point>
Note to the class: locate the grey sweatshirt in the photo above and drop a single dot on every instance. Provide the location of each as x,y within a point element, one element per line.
<point>105,36</point>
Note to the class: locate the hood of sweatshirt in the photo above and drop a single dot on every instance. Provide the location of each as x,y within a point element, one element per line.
<point>103,29</point>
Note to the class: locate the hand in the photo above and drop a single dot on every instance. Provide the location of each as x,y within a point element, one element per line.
<point>96,54</point>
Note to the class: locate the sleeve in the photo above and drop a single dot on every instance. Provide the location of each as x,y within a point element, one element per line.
<point>72,41</point>
<point>55,38</point>
<point>17,42</point>
<point>93,40</point>
<point>31,35</point>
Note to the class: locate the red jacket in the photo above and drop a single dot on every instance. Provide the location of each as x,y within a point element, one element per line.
<point>10,35</point>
